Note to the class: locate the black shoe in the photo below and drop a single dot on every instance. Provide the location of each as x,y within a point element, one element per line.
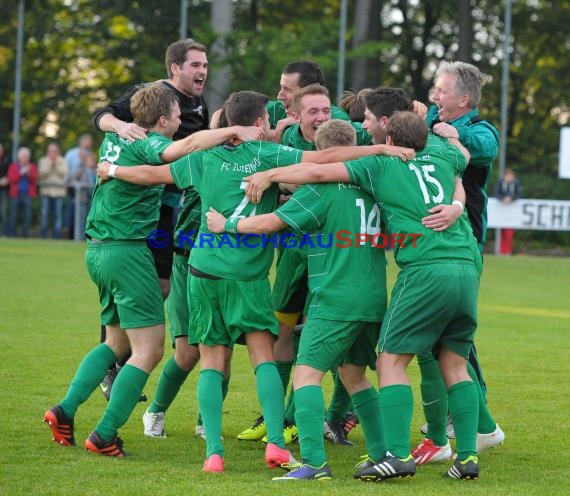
<point>108,448</point>
<point>60,425</point>
<point>349,422</point>
<point>108,381</point>
<point>389,467</point>
<point>467,469</point>
<point>335,433</point>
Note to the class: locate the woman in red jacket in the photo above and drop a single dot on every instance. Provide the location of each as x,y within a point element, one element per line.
<point>22,176</point>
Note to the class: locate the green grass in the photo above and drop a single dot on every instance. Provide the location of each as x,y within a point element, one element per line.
<point>49,321</point>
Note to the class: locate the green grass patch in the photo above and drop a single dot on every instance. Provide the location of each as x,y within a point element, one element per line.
<point>50,320</point>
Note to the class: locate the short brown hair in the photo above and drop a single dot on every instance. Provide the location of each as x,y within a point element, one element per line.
<point>312,89</point>
<point>407,129</point>
<point>151,102</point>
<point>335,133</point>
<point>176,52</point>
<point>243,108</point>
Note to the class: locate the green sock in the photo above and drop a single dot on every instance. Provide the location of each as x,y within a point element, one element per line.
<point>340,401</point>
<point>464,410</point>
<point>290,407</point>
<point>270,395</point>
<point>397,405</point>
<point>89,375</point>
<point>434,399</point>
<point>171,379</point>
<point>210,404</point>
<point>486,423</point>
<point>125,395</point>
<point>284,369</point>
<point>367,408</point>
<point>225,387</point>
<point>309,415</point>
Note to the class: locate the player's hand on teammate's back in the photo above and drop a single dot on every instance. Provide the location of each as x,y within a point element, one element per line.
<point>103,171</point>
<point>256,184</point>
<point>216,221</point>
<point>250,133</point>
<point>442,217</point>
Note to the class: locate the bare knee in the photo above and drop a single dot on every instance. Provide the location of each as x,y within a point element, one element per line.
<point>186,355</point>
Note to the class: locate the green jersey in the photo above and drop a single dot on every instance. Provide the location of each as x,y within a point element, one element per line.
<point>277,111</point>
<point>407,190</point>
<point>188,221</point>
<point>217,174</point>
<point>346,282</point>
<point>481,139</point>
<point>293,137</point>
<point>120,210</point>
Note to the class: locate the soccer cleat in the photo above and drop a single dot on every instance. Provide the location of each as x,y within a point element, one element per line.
<point>279,457</point>
<point>389,467</point>
<point>108,381</point>
<point>108,448</point>
<point>200,432</point>
<point>255,432</point>
<point>60,425</point>
<point>290,433</point>
<point>335,433</point>
<point>154,424</point>
<point>467,469</point>
<point>487,441</point>
<point>427,452</point>
<point>307,472</point>
<point>365,462</point>
<point>450,432</point>
<point>349,422</point>
<point>213,464</point>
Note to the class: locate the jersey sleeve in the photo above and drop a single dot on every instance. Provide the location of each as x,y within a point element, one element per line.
<point>273,155</point>
<point>188,170</point>
<point>154,146</point>
<point>366,172</point>
<point>303,211</point>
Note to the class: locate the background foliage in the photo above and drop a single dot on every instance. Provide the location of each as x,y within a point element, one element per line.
<point>79,54</point>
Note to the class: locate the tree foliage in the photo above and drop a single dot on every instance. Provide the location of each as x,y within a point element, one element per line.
<point>81,53</point>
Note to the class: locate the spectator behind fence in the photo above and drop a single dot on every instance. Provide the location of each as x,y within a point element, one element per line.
<point>52,172</point>
<point>22,176</point>
<point>81,164</point>
<point>508,189</point>
<point>4,187</point>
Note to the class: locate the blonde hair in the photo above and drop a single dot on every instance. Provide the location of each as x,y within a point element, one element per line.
<point>151,102</point>
<point>312,89</point>
<point>335,133</point>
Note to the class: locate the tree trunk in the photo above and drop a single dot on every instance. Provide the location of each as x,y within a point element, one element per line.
<point>365,71</point>
<point>465,30</point>
<point>219,77</point>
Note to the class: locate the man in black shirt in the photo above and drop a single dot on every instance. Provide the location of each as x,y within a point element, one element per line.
<point>187,68</point>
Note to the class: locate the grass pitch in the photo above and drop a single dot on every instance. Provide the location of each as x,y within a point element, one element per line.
<point>50,320</point>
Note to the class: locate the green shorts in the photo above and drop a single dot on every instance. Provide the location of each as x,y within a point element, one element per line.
<point>177,308</point>
<point>432,305</point>
<point>290,287</point>
<point>223,310</point>
<point>326,344</point>
<point>125,275</point>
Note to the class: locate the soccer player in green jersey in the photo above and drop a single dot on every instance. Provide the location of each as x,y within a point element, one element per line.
<point>434,302</point>
<point>342,327</point>
<point>229,286</point>
<point>457,92</point>
<point>310,107</point>
<point>120,264</point>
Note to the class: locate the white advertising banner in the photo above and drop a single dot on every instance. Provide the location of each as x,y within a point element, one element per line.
<point>544,215</point>
<point>564,155</point>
